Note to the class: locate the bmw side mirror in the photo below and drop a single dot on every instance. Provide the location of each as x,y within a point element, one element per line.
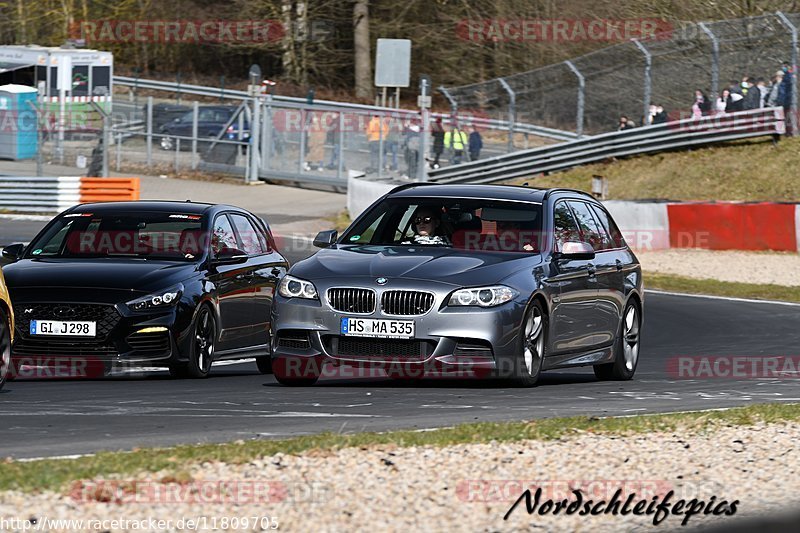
<point>326,239</point>
<point>579,251</point>
<point>13,252</point>
<point>229,256</point>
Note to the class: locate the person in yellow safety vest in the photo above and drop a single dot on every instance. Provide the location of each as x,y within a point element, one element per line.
<point>375,130</point>
<point>457,140</point>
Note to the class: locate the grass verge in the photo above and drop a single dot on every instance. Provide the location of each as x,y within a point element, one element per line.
<point>712,287</point>
<point>740,171</point>
<point>56,474</point>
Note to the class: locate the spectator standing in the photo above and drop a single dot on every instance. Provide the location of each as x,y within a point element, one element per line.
<point>723,102</point>
<point>316,145</point>
<point>376,129</point>
<point>475,144</point>
<point>752,97</point>
<point>392,142</point>
<point>412,146</point>
<point>437,132</point>
<point>625,123</point>
<point>660,116</point>
<point>761,84</point>
<point>456,140</point>
<point>702,105</point>
<point>772,99</point>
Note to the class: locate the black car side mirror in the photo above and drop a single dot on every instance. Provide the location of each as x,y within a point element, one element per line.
<point>229,256</point>
<point>326,239</point>
<point>578,251</point>
<point>13,252</point>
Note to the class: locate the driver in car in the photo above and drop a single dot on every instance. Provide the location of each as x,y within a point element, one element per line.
<point>426,224</point>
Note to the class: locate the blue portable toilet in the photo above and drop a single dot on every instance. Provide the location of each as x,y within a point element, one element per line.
<point>18,124</point>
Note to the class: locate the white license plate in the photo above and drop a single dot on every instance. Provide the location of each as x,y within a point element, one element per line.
<point>387,329</point>
<point>65,329</point>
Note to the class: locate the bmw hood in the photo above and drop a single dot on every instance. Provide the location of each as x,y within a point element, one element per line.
<point>431,263</point>
<point>127,275</point>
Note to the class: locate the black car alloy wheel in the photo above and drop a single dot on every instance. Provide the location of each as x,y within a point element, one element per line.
<point>203,341</point>
<point>626,348</point>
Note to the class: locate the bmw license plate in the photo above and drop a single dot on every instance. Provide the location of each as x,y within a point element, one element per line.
<point>386,329</point>
<point>66,329</point>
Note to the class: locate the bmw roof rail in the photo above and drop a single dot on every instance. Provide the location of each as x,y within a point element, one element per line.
<point>405,186</point>
<point>565,189</point>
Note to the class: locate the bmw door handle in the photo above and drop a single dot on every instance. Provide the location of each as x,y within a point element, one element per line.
<point>619,265</point>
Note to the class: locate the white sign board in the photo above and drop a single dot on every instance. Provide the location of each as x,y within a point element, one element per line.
<point>393,63</point>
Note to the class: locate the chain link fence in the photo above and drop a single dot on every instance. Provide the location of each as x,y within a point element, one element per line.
<point>588,94</point>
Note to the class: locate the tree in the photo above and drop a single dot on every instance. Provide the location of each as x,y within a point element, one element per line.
<point>363,57</point>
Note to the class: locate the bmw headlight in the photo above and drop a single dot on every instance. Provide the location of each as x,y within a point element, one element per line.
<point>158,300</point>
<point>292,287</point>
<point>482,296</point>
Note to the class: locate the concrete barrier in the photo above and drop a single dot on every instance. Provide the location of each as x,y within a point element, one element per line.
<point>54,194</point>
<point>361,193</point>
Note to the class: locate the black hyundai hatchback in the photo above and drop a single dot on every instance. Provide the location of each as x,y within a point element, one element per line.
<point>132,284</point>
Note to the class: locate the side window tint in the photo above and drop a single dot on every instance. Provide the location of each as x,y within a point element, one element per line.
<point>613,232</point>
<point>222,235</point>
<point>588,225</point>
<point>248,235</point>
<point>564,227</point>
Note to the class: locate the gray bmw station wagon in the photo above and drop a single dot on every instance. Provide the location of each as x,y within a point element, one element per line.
<point>457,280</point>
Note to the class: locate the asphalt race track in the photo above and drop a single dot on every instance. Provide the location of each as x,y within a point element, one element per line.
<point>65,417</point>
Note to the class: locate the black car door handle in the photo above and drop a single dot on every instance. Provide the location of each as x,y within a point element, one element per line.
<point>619,264</point>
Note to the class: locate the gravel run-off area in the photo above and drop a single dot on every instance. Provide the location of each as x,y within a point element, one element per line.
<point>744,267</point>
<point>463,487</point>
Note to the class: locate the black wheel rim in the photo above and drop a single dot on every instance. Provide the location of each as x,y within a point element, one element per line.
<point>204,341</point>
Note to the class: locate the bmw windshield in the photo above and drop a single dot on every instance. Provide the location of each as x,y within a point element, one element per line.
<point>464,223</point>
<point>150,235</point>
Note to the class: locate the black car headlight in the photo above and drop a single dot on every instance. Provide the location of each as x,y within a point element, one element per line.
<point>482,296</point>
<point>292,287</point>
<point>159,300</point>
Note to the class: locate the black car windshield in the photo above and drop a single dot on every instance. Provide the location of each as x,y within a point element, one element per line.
<point>152,235</point>
<point>476,224</point>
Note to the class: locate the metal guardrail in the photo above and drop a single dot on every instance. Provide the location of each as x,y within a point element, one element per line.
<point>678,134</point>
<point>330,105</point>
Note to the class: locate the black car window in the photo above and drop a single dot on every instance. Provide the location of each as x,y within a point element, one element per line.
<point>565,229</point>
<point>154,235</point>
<point>248,235</point>
<point>614,235</point>
<point>590,230</point>
<point>222,236</point>
<point>207,115</point>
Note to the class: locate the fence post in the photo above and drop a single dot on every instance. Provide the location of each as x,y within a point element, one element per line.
<point>581,96</point>
<point>340,160</point>
<point>255,130</point>
<point>268,136</point>
<point>512,112</point>
<point>786,22</point>
<point>714,60</point>
<point>648,66</point>
<point>149,127</point>
<point>453,103</point>
<point>195,132</point>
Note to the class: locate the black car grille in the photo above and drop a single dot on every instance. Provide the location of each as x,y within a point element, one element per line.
<point>105,316</point>
<point>34,348</point>
<point>348,300</point>
<point>406,303</point>
<point>378,348</point>
<point>293,339</point>
<point>150,344</point>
